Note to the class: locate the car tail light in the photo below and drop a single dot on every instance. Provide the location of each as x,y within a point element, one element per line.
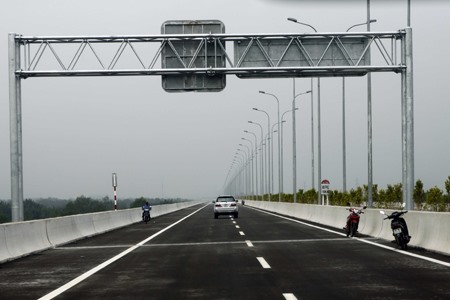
<point>218,205</point>
<point>233,204</point>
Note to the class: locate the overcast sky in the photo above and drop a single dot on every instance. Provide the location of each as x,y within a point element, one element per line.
<point>78,131</point>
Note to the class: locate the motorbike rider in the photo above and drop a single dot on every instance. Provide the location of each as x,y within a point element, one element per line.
<point>145,207</point>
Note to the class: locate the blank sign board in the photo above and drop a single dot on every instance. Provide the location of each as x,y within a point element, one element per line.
<point>302,52</point>
<point>184,53</point>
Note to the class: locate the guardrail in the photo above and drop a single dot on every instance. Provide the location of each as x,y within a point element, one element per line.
<point>23,238</point>
<point>428,230</point>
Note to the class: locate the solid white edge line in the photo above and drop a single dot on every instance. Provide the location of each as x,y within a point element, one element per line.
<point>82,277</point>
<point>289,296</point>
<point>263,262</point>
<point>443,263</point>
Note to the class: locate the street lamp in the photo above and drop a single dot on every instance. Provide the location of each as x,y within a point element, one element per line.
<point>280,190</point>
<point>244,170</point>
<point>262,164</point>
<point>268,149</point>
<point>282,146</point>
<point>272,131</point>
<point>319,139</point>
<point>252,174</point>
<point>238,176</point>
<point>295,21</point>
<point>256,160</point>
<point>250,168</point>
<point>344,158</point>
<point>294,147</point>
<point>360,24</point>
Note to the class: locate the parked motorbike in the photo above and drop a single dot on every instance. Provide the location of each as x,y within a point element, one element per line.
<point>146,215</point>
<point>351,228</point>
<point>399,227</point>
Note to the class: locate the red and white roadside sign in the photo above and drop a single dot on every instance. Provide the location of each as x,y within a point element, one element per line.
<point>325,186</point>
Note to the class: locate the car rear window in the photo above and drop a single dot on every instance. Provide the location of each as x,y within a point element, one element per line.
<point>225,199</point>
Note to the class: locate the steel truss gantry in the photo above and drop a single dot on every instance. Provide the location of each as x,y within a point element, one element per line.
<point>67,52</point>
<point>251,56</point>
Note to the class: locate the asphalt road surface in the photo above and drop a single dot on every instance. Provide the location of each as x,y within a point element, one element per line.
<point>190,255</point>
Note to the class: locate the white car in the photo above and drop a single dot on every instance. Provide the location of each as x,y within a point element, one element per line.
<point>226,205</point>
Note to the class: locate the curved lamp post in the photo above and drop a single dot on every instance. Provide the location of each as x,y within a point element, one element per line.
<point>252,187</point>
<point>268,150</point>
<point>296,21</point>
<point>280,189</point>
<point>262,164</point>
<point>344,158</point>
<point>256,160</point>
<point>245,170</point>
<point>249,169</point>
<point>282,145</point>
<point>294,147</point>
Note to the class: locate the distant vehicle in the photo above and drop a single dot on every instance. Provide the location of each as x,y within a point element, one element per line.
<point>226,205</point>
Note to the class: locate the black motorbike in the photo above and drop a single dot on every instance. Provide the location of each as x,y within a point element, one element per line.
<point>399,227</point>
<point>146,215</point>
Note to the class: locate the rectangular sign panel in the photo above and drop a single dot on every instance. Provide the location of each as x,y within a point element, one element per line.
<point>311,52</point>
<point>179,54</point>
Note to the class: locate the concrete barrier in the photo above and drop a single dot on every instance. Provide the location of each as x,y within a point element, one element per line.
<point>4,253</point>
<point>23,238</point>
<point>429,230</point>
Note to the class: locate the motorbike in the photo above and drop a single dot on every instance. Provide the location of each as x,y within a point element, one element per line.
<point>146,215</point>
<point>399,227</point>
<point>351,227</point>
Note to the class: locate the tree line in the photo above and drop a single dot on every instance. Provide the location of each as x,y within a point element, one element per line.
<point>434,199</point>
<point>53,207</point>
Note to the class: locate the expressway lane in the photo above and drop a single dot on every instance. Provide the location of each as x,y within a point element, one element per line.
<point>257,256</point>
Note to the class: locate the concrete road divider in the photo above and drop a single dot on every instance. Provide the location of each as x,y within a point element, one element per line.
<point>429,230</point>
<point>23,238</point>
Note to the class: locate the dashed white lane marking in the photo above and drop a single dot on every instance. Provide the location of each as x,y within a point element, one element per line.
<point>234,222</point>
<point>86,275</point>
<point>241,233</point>
<point>237,226</point>
<point>289,296</point>
<point>263,262</point>
<point>249,243</point>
